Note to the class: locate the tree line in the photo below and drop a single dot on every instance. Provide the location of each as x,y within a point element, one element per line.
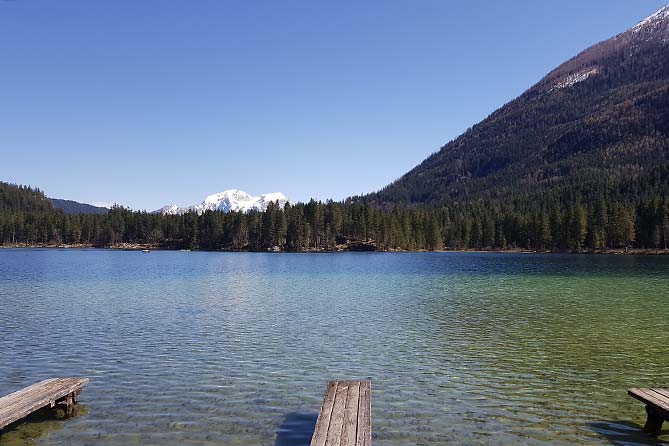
<point>325,226</point>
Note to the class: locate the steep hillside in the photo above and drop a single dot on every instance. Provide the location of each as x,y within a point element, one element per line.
<point>15,198</point>
<point>595,127</point>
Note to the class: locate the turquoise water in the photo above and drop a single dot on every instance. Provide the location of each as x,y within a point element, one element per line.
<point>236,349</point>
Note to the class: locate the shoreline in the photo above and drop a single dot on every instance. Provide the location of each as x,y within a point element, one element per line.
<point>340,249</point>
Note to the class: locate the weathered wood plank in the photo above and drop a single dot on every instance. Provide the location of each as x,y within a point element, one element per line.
<point>24,397</point>
<point>337,417</point>
<point>36,396</point>
<point>50,391</point>
<point>345,417</point>
<point>663,393</point>
<point>22,403</point>
<point>32,395</point>
<point>651,398</point>
<point>23,393</point>
<point>364,435</point>
<point>350,427</point>
<point>323,422</point>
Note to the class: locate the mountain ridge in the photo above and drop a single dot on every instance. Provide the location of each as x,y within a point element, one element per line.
<point>75,207</point>
<point>231,200</point>
<point>586,129</point>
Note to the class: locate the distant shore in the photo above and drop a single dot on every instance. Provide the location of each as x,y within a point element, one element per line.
<point>338,248</point>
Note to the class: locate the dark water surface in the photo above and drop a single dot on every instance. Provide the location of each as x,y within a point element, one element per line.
<point>236,349</point>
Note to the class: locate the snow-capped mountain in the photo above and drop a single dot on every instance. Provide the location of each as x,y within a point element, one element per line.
<point>227,201</point>
<point>647,36</point>
<point>170,209</point>
<point>656,25</point>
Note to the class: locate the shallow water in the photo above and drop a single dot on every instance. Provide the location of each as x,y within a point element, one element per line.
<point>235,349</point>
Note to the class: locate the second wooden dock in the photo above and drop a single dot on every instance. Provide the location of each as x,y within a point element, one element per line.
<point>346,415</point>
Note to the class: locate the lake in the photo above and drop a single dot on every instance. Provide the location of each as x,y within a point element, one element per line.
<point>205,348</point>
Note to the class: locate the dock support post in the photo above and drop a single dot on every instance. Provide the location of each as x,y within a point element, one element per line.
<point>69,406</point>
<point>654,422</point>
<point>67,403</point>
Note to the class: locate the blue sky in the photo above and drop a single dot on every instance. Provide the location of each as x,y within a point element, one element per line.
<point>152,102</point>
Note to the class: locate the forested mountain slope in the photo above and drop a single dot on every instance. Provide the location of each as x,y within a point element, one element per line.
<point>595,128</point>
<point>14,198</point>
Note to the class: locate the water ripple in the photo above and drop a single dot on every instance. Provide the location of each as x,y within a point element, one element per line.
<point>235,349</point>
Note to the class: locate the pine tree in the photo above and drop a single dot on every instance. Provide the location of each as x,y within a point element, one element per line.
<point>434,241</point>
<point>578,227</point>
<point>665,225</point>
<point>621,226</point>
<point>545,232</point>
<point>599,224</point>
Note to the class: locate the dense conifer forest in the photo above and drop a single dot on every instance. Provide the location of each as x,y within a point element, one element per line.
<point>27,218</point>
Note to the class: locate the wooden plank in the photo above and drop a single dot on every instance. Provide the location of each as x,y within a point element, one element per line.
<point>337,418</point>
<point>26,401</point>
<point>51,390</point>
<point>345,416</point>
<point>364,435</point>
<point>659,396</point>
<point>663,392</point>
<point>323,422</point>
<point>29,396</point>
<point>34,394</point>
<point>350,427</point>
<point>648,397</point>
<point>18,395</point>
<point>22,403</point>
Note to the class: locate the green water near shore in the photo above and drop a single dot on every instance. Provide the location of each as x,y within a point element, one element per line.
<point>236,348</point>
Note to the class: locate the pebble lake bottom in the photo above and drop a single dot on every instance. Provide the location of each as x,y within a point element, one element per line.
<point>204,348</point>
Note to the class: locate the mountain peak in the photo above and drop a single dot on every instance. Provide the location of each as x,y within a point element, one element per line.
<point>228,201</point>
<point>649,35</point>
<point>230,194</point>
<point>662,15</point>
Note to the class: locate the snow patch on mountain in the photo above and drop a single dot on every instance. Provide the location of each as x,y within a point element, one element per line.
<point>102,204</point>
<point>652,29</point>
<point>228,201</point>
<point>575,78</point>
<point>651,21</point>
<point>170,209</point>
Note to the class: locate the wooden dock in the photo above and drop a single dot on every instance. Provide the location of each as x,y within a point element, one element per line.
<point>657,407</point>
<point>346,415</point>
<point>53,393</point>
